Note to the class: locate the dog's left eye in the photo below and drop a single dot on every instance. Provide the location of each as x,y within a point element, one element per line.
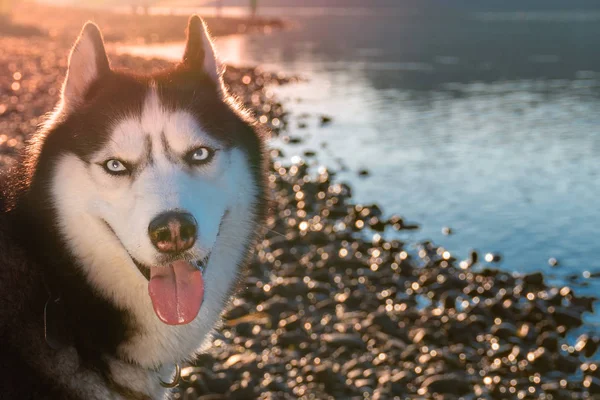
<point>200,155</point>
<point>115,167</point>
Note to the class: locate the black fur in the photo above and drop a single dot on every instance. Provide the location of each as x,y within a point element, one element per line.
<point>35,264</point>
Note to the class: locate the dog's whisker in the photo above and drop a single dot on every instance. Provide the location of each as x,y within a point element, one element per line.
<point>270,230</point>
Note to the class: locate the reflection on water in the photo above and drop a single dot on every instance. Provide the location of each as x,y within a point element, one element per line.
<point>486,123</point>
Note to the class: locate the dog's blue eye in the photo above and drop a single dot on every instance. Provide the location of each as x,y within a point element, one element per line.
<point>115,167</point>
<point>199,155</point>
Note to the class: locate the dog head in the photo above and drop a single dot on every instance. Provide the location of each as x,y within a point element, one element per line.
<point>155,184</point>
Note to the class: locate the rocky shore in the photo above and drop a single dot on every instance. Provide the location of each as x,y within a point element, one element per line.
<point>333,309</point>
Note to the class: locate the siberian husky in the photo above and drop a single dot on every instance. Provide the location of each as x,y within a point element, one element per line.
<point>125,225</point>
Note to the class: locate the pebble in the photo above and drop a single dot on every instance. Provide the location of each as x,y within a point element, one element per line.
<point>325,120</point>
<point>342,339</point>
<point>446,384</point>
<point>493,257</point>
<point>592,384</point>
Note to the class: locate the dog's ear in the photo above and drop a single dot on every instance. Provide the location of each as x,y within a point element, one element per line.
<point>199,52</point>
<point>87,62</point>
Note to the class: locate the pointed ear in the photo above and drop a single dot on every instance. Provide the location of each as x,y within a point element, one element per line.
<point>87,62</point>
<point>199,51</point>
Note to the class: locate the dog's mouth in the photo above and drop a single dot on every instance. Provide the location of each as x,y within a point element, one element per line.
<point>145,270</point>
<point>176,289</point>
<point>175,286</point>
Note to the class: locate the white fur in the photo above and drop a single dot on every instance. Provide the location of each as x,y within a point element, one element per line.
<point>84,195</point>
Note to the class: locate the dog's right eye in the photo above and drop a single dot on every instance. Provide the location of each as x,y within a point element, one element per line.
<point>115,167</point>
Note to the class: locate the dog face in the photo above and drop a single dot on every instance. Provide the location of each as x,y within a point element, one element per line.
<point>160,183</point>
<point>156,184</point>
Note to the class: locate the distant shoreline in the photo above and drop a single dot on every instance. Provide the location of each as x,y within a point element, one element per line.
<point>125,27</point>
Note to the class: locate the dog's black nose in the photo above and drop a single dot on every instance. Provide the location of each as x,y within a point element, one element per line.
<point>173,232</point>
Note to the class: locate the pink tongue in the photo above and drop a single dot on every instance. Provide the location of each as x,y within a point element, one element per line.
<point>177,292</point>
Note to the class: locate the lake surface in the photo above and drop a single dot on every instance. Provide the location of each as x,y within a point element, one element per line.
<point>484,122</point>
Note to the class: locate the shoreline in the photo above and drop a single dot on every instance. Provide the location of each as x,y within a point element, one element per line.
<point>125,27</point>
<point>334,310</point>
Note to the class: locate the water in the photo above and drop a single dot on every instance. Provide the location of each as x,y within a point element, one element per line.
<point>484,122</point>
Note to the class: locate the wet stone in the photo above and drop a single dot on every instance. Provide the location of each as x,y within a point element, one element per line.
<point>275,306</point>
<point>292,322</point>
<point>446,384</point>
<point>566,363</point>
<point>585,302</point>
<point>294,338</point>
<point>592,384</point>
<point>219,383</point>
<point>244,329</point>
<point>364,383</point>
<point>586,344</point>
<point>342,339</point>
<point>325,119</point>
<point>504,330</point>
<point>567,317</point>
<point>237,311</point>
<point>549,340</point>
<point>241,391</point>
<point>493,257</point>
<point>212,397</point>
<point>535,279</point>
